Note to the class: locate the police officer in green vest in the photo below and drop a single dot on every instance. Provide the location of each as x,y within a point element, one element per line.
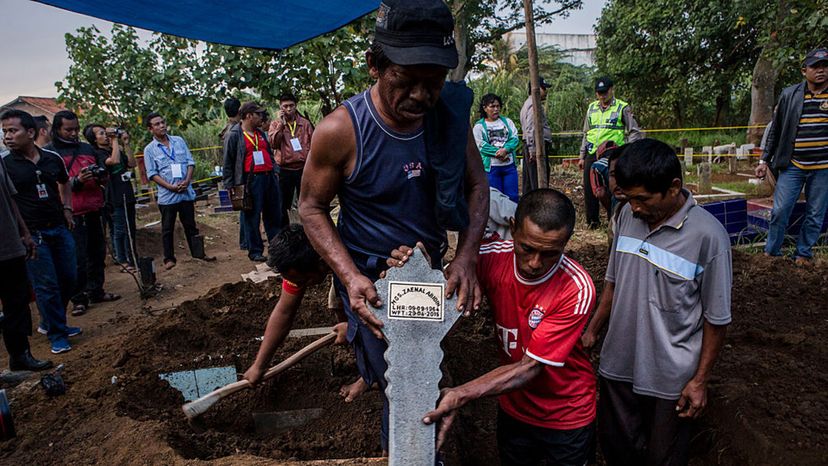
<point>607,119</point>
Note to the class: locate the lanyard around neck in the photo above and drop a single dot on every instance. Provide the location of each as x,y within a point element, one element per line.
<point>171,154</point>
<point>254,141</point>
<point>292,128</point>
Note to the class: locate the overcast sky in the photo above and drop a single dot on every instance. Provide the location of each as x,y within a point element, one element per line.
<point>34,52</point>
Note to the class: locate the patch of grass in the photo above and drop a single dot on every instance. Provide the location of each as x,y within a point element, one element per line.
<point>740,186</point>
<point>699,139</point>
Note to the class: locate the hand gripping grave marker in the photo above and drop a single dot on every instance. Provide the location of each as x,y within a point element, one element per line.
<point>417,316</point>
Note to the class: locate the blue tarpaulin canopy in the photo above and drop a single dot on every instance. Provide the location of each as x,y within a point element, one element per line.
<point>264,24</point>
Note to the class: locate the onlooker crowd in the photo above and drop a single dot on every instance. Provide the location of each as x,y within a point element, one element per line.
<point>249,165</point>
<point>169,163</point>
<point>666,295</point>
<point>87,177</point>
<point>497,140</point>
<point>290,136</point>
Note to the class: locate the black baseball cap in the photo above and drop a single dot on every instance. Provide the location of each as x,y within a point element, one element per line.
<point>251,107</point>
<point>603,84</point>
<point>543,84</point>
<point>815,56</point>
<point>416,32</point>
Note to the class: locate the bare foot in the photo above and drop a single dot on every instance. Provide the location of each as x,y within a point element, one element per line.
<point>803,262</point>
<point>353,391</point>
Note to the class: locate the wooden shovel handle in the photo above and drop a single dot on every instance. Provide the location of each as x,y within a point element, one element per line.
<point>201,405</point>
<point>299,355</point>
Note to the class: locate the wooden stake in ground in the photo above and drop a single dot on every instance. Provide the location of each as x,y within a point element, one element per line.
<point>540,149</point>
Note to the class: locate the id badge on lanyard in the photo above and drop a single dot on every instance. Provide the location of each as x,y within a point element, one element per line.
<point>42,193</point>
<point>258,156</point>
<point>175,167</point>
<point>294,141</point>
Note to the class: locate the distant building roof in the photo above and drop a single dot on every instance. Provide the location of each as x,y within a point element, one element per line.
<point>46,106</point>
<point>578,49</point>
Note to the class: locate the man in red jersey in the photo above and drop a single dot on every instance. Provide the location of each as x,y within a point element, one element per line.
<point>541,302</point>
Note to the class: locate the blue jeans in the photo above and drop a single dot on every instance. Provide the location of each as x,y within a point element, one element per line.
<point>53,274</point>
<point>242,233</point>
<point>267,208</point>
<point>123,233</point>
<point>788,185</point>
<point>504,178</point>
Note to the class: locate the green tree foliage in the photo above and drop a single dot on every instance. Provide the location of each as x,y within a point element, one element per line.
<point>787,30</point>
<point>117,79</point>
<point>691,62</point>
<point>479,24</point>
<point>567,100</point>
<point>677,61</point>
<point>327,69</point>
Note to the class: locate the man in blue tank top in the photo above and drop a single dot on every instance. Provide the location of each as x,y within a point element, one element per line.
<point>376,154</point>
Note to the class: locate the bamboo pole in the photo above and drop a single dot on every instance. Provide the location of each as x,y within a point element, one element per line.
<point>540,149</point>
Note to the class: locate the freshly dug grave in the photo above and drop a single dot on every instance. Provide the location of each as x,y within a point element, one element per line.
<point>767,400</point>
<point>767,393</point>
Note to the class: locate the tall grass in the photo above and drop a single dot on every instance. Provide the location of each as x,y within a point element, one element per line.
<point>204,143</point>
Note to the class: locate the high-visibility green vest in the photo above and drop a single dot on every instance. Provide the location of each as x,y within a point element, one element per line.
<point>605,125</point>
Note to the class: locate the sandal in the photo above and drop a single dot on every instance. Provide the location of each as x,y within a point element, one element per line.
<point>169,264</point>
<point>106,297</point>
<point>78,310</point>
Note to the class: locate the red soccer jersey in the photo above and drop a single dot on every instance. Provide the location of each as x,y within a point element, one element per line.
<point>251,145</point>
<point>542,319</point>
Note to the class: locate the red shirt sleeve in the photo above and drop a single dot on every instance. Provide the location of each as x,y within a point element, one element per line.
<point>291,288</point>
<point>485,263</point>
<point>560,329</point>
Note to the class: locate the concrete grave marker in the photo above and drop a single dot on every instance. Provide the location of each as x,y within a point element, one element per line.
<point>417,316</point>
<point>688,156</point>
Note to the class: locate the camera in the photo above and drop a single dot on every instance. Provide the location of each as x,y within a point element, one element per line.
<point>116,132</point>
<point>96,170</point>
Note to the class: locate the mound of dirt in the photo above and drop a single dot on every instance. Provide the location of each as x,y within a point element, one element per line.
<point>767,399</point>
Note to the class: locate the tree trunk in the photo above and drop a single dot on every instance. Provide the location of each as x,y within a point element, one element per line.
<point>722,105</point>
<point>761,97</point>
<point>534,78</point>
<point>461,41</point>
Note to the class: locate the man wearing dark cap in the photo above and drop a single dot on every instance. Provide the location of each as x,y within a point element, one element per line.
<point>527,125</point>
<point>249,161</point>
<point>797,147</point>
<point>607,119</point>
<point>403,162</point>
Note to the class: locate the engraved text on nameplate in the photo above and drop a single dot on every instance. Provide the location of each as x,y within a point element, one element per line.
<point>416,301</point>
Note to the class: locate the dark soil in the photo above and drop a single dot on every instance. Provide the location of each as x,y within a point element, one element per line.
<point>767,400</point>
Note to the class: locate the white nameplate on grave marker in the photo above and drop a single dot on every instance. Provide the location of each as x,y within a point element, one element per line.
<point>416,301</point>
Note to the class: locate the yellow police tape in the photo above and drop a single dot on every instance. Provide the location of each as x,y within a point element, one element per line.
<point>562,133</point>
<point>667,130</point>
<point>153,191</point>
<point>197,149</point>
<point>576,156</point>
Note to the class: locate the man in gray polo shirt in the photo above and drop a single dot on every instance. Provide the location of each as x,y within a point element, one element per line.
<point>667,299</point>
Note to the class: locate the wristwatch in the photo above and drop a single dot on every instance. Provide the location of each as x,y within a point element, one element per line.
<point>762,162</point>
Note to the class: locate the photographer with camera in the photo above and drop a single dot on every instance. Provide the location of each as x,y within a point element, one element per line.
<point>112,144</point>
<point>87,176</point>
